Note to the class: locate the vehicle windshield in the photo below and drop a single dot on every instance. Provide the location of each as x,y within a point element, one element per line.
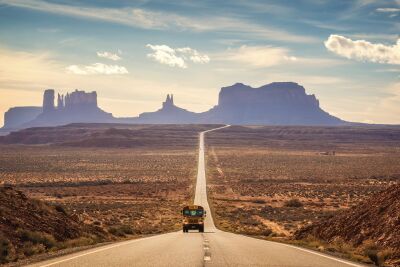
<point>195,213</point>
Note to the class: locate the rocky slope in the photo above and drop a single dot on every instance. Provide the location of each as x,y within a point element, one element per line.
<point>375,221</point>
<point>29,226</point>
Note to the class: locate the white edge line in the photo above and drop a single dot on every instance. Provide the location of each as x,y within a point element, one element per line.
<point>123,243</point>
<point>321,254</point>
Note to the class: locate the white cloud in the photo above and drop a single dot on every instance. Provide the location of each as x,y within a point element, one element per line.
<point>166,55</point>
<point>258,56</point>
<point>109,55</point>
<point>374,37</point>
<point>363,50</point>
<point>388,10</point>
<point>97,68</point>
<point>176,57</point>
<point>193,55</point>
<point>146,19</point>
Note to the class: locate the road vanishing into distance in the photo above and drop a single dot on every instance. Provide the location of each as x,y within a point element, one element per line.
<point>211,248</point>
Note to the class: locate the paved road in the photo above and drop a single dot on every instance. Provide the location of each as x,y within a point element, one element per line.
<point>212,248</point>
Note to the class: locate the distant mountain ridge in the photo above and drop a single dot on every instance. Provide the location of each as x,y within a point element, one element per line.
<point>278,103</point>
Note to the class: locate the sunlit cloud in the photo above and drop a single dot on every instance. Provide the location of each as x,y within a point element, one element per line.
<point>257,56</point>
<point>388,10</point>
<point>176,57</point>
<point>109,55</point>
<point>362,50</point>
<point>193,55</point>
<point>97,68</point>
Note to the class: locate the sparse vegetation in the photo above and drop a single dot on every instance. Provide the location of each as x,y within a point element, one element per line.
<point>121,230</point>
<point>36,238</point>
<point>293,203</point>
<point>283,178</point>
<point>5,250</point>
<point>125,192</point>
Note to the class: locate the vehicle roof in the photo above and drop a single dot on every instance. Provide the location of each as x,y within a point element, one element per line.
<point>193,207</point>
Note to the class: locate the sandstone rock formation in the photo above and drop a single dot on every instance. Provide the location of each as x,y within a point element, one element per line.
<point>169,113</point>
<point>279,103</point>
<point>48,100</point>
<point>17,116</point>
<point>77,106</point>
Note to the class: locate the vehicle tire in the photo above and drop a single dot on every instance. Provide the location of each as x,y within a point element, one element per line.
<point>201,229</point>
<point>184,230</point>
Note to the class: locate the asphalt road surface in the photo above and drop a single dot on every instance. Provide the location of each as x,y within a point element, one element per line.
<point>211,248</point>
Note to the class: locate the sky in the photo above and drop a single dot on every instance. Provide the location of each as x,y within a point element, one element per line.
<point>133,53</point>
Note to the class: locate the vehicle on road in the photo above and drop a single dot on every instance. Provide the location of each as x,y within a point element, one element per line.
<point>193,218</point>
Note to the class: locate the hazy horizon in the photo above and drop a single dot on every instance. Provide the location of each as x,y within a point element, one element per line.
<point>347,53</point>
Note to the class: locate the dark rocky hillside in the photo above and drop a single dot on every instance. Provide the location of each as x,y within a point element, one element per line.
<point>29,226</point>
<point>373,224</point>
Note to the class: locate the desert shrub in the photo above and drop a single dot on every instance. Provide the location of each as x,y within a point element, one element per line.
<point>121,230</point>
<point>29,249</point>
<point>378,257</point>
<point>127,229</point>
<point>60,208</point>
<point>259,201</point>
<point>267,232</point>
<point>5,250</point>
<point>294,203</point>
<point>35,238</point>
<point>78,242</point>
<point>375,254</point>
<point>385,254</point>
<point>249,221</point>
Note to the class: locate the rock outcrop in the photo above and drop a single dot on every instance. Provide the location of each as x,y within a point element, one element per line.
<point>18,116</point>
<point>280,103</point>
<point>169,113</point>
<point>74,107</point>
<point>48,100</point>
<point>29,226</point>
<point>376,219</point>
